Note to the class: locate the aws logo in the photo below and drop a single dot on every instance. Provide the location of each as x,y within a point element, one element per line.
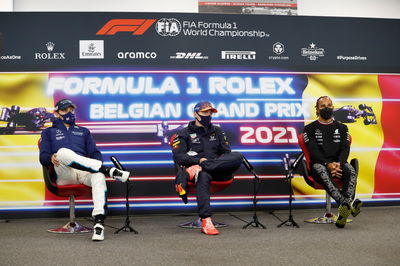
<point>164,26</point>
<point>135,26</point>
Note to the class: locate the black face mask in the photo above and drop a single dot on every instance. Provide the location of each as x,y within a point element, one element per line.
<point>326,113</point>
<point>205,120</point>
<point>69,118</point>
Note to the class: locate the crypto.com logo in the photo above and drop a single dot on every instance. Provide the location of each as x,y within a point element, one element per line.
<point>136,26</point>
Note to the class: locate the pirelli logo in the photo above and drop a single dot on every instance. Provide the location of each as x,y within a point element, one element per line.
<point>135,26</point>
<point>238,55</point>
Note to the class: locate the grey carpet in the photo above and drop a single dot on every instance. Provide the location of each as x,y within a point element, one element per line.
<point>372,239</point>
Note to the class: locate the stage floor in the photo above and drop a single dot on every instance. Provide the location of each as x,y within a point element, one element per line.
<point>372,239</point>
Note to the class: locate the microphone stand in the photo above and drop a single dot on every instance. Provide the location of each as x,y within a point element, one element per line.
<point>289,175</point>
<point>256,186</point>
<point>126,227</point>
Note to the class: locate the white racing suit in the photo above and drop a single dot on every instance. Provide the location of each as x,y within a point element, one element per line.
<point>67,174</point>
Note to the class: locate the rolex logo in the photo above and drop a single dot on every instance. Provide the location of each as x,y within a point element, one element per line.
<point>50,55</point>
<point>50,46</point>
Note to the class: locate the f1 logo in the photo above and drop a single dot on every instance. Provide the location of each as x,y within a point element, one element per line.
<point>136,26</point>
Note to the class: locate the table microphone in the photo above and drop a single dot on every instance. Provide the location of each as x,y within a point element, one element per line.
<point>248,165</point>
<point>297,161</point>
<point>286,161</point>
<point>117,163</point>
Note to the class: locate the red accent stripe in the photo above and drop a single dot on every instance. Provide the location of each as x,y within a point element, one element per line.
<point>387,171</point>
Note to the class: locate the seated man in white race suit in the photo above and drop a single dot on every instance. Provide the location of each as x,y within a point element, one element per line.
<point>76,159</point>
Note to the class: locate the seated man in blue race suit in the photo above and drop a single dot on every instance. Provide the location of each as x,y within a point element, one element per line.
<point>203,150</point>
<point>328,142</point>
<point>76,159</point>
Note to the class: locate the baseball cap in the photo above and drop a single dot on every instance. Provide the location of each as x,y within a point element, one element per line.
<point>63,104</point>
<point>204,106</point>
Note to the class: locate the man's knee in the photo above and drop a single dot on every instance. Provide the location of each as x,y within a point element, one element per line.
<point>64,155</point>
<point>348,170</point>
<point>234,159</point>
<point>237,157</point>
<point>318,168</point>
<point>349,167</point>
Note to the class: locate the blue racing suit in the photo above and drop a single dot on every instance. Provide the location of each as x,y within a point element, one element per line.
<point>76,138</point>
<point>191,144</point>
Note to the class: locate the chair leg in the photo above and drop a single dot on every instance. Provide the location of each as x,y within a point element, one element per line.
<point>328,217</point>
<point>72,209</point>
<point>197,224</point>
<point>71,227</point>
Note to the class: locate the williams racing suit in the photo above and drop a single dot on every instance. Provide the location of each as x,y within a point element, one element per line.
<point>79,158</point>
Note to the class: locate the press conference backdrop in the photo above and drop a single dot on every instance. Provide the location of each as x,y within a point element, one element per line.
<point>135,78</point>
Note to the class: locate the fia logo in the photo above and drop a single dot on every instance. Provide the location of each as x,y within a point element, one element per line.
<point>168,27</point>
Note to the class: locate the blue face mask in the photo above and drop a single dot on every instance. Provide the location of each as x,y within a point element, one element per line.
<point>68,118</point>
<point>205,120</point>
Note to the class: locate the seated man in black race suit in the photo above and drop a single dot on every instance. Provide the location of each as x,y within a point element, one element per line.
<point>76,159</point>
<point>328,142</point>
<point>202,148</point>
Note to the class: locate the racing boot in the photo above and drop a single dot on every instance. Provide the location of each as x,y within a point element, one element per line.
<point>98,232</point>
<point>119,174</point>
<point>207,227</point>
<point>98,228</point>
<point>344,212</point>
<point>193,172</point>
<point>356,207</point>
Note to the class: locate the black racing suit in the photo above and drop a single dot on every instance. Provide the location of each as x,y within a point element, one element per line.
<point>328,143</point>
<point>193,143</point>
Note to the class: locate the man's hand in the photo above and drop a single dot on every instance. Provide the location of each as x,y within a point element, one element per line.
<point>202,160</point>
<point>334,169</point>
<point>54,160</point>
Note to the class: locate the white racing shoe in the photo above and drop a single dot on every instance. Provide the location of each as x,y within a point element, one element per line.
<point>98,232</point>
<point>119,174</point>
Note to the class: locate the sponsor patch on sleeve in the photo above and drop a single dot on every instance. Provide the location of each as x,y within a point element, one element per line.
<point>175,141</point>
<point>225,139</point>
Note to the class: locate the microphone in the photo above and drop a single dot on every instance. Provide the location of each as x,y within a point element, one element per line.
<point>117,163</point>
<point>286,161</point>
<point>249,167</point>
<point>247,164</point>
<point>297,161</point>
<point>288,167</point>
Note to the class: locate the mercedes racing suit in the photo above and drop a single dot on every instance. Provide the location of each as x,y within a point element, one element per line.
<point>330,142</point>
<point>79,158</point>
<point>193,143</point>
